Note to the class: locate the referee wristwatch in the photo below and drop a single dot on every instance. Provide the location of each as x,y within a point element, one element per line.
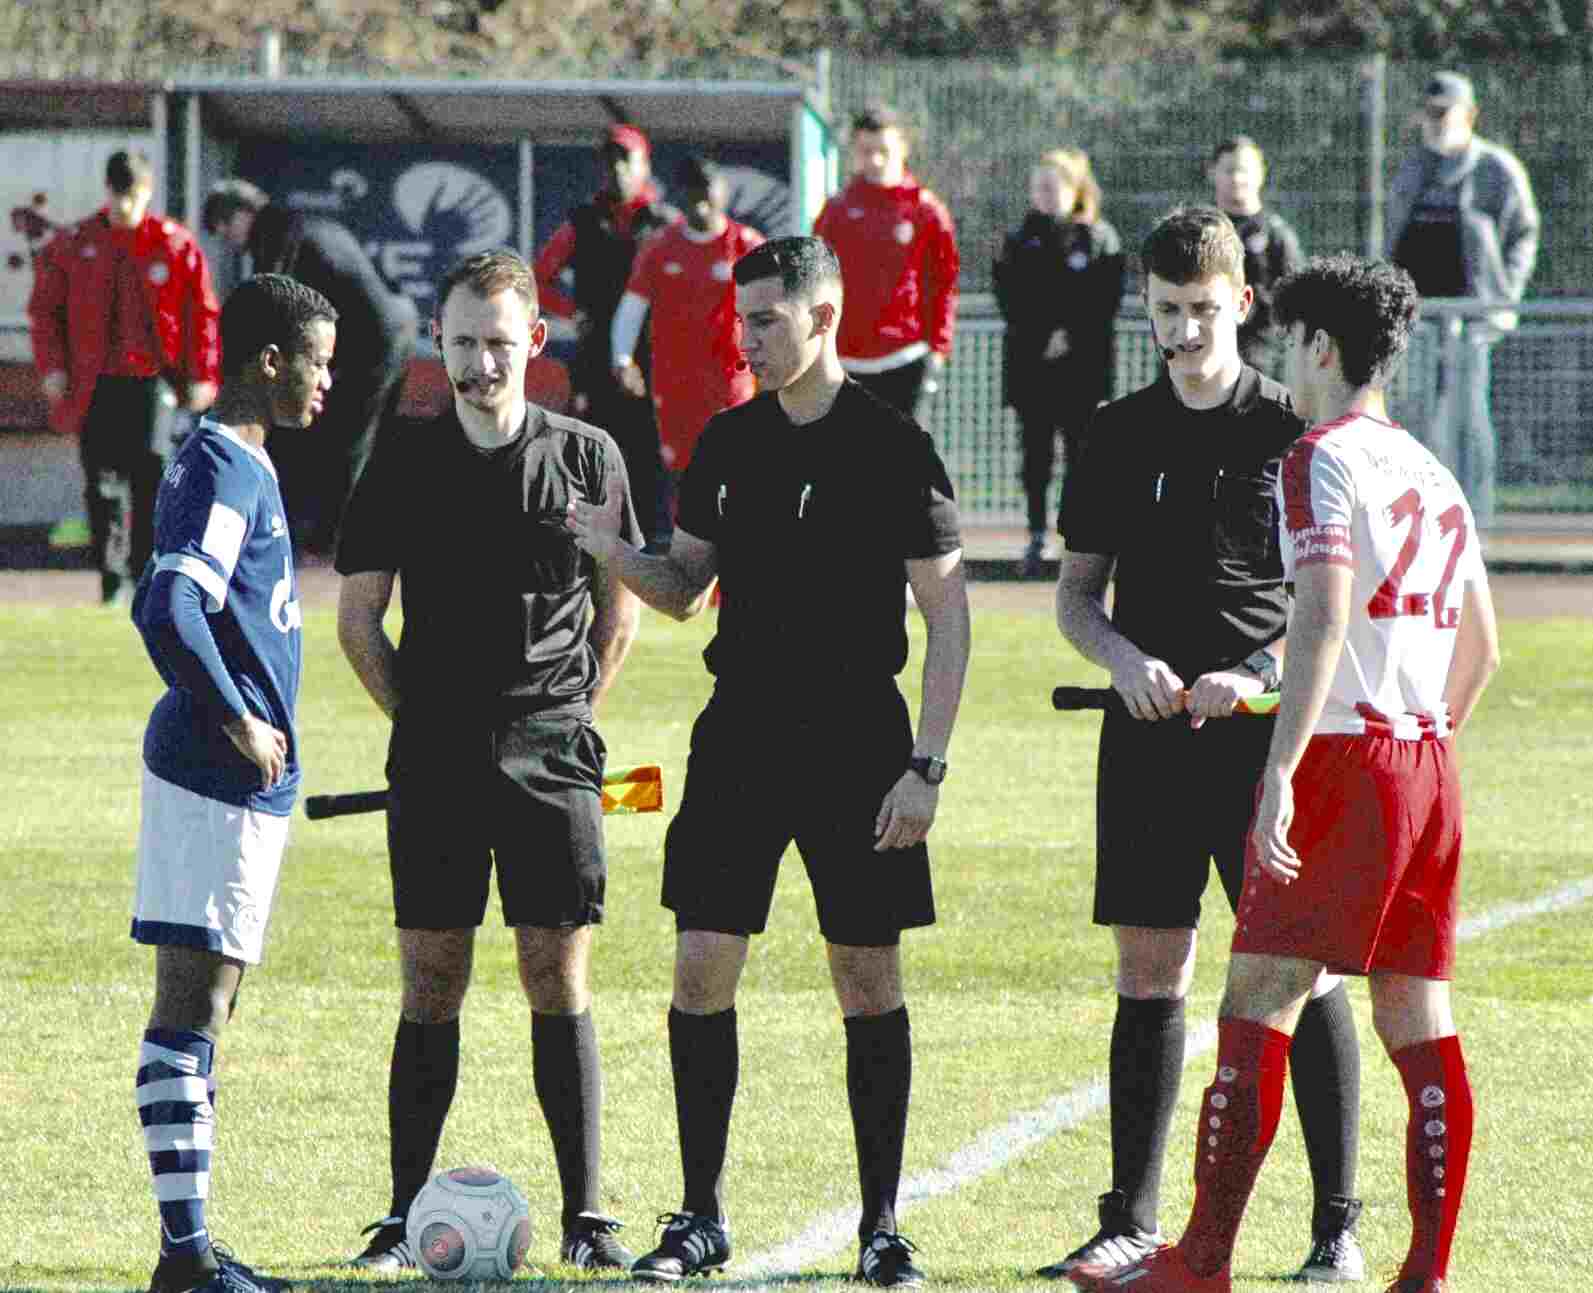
<point>1264,665</point>
<point>931,767</point>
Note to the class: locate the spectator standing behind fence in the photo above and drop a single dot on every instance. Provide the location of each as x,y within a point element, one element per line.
<point>376,338</point>
<point>1462,220</point>
<point>1238,173</point>
<point>1059,283</point>
<point>598,245</point>
<point>682,278</point>
<point>123,312</point>
<point>899,265</point>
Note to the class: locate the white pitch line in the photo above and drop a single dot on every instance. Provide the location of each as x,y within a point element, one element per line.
<point>994,1149</point>
<point>1572,894</point>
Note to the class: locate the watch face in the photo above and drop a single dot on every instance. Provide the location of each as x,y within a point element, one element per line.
<point>930,768</point>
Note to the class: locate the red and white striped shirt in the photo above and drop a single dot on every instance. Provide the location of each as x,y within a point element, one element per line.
<point>1363,494</point>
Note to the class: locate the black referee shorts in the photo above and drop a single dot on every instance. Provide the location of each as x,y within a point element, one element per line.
<point>1170,801</point>
<point>522,791</point>
<point>758,779</point>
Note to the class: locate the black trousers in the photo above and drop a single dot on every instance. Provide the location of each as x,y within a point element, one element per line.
<point>630,421</point>
<point>123,447</point>
<point>1039,423</point>
<point>318,467</point>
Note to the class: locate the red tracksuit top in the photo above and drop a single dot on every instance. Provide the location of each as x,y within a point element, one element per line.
<point>899,264</point>
<point>73,299</point>
<point>698,368</point>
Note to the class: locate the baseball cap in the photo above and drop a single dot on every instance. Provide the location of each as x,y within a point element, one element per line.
<point>1450,88</point>
<point>627,137</point>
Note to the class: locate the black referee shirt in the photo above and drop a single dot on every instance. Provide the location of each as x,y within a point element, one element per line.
<point>495,594</point>
<point>813,525</point>
<point>1183,499</point>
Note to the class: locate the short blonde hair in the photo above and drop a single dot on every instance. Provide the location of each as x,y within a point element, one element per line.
<point>1073,165</point>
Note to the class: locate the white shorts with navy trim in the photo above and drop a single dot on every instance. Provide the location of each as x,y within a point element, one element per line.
<point>207,871</point>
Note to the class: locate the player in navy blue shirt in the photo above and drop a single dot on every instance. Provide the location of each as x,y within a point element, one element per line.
<point>219,612</point>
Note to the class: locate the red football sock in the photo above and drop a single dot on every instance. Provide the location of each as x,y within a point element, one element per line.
<point>1437,1148</point>
<point>1238,1119</point>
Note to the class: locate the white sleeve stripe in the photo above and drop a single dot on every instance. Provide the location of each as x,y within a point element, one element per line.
<point>627,325</point>
<point>214,585</point>
<point>223,537</point>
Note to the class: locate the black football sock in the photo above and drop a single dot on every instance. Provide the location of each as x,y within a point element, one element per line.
<point>705,1053</point>
<point>1147,1064</point>
<point>879,1079</point>
<point>569,1084</point>
<point>420,1089</point>
<point>1325,1069</point>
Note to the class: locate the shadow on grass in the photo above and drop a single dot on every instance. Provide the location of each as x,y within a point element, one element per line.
<point>305,1279</point>
<point>340,1283</point>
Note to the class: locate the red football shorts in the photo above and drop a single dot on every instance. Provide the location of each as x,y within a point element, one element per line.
<point>1377,828</point>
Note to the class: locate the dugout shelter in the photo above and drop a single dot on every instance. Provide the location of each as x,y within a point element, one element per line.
<point>422,172</point>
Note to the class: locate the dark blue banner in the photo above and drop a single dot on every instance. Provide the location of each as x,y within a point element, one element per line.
<point>415,209</point>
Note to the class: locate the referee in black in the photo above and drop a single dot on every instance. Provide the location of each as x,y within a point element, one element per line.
<point>511,637</point>
<point>817,505</point>
<point>1173,505</point>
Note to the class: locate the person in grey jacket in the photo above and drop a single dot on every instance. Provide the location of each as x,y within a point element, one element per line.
<point>1462,220</point>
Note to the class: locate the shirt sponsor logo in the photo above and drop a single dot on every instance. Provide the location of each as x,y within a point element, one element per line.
<point>1330,544</point>
<point>279,527</point>
<point>159,273</point>
<point>285,611</point>
<point>854,213</point>
<point>1077,260</point>
<point>721,270</point>
<point>673,267</point>
<point>903,233</point>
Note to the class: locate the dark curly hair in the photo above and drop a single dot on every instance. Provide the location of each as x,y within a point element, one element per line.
<point>1368,307</point>
<point>268,310</point>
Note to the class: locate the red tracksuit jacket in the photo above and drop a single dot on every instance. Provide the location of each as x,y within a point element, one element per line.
<point>899,264</point>
<point>73,296</point>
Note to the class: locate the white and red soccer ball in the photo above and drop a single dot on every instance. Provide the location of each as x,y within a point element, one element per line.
<point>469,1223</point>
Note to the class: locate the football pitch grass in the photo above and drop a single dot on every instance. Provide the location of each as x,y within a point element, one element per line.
<point>1010,993</point>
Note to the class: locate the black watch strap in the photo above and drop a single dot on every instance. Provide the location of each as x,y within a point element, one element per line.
<point>931,767</point>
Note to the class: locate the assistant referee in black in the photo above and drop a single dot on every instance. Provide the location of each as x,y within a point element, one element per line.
<point>1172,504</point>
<point>817,505</point>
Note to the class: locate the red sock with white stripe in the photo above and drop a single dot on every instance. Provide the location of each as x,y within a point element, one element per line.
<point>1238,1119</point>
<point>1437,1149</point>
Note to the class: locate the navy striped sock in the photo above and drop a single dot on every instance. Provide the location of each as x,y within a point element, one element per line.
<point>172,1093</point>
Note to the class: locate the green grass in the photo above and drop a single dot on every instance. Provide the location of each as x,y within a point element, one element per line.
<point>1559,496</point>
<point>1010,993</point>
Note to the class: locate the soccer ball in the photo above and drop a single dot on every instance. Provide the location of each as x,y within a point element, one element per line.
<point>469,1223</point>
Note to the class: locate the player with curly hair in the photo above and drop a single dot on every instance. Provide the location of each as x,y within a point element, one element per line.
<point>1354,855</point>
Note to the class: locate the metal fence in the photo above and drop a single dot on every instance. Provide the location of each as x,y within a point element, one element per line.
<point>1541,403</point>
<point>1334,130</point>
